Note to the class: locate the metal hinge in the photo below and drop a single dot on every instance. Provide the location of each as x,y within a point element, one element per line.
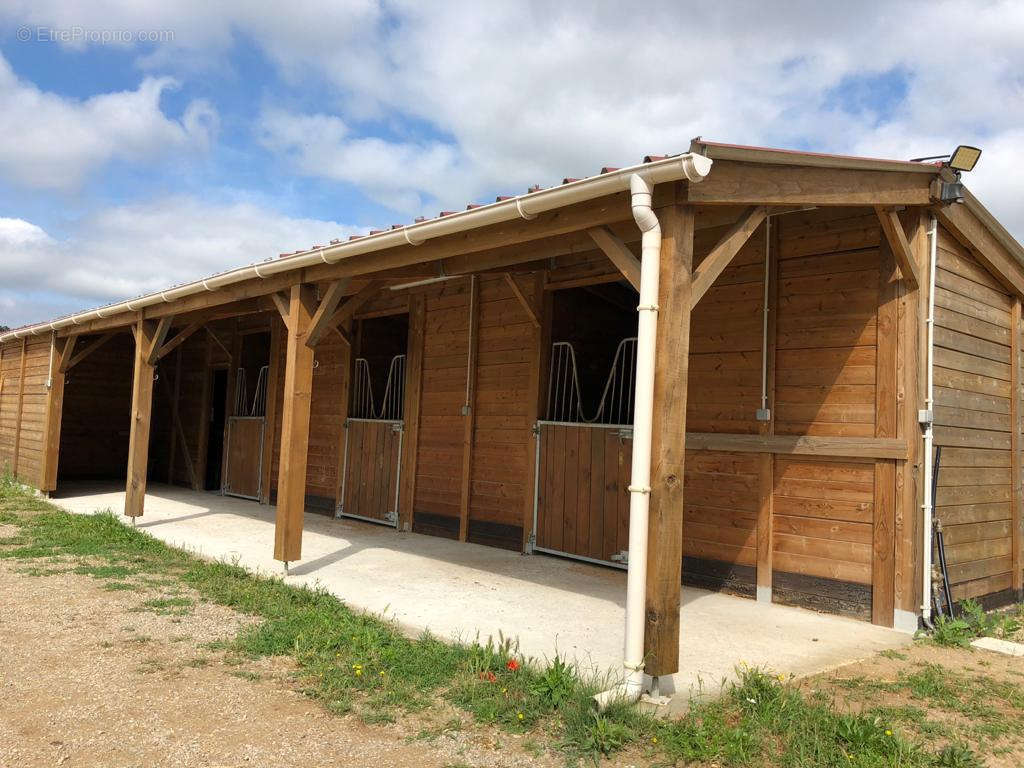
<point>626,433</point>
<point>398,426</point>
<point>391,516</point>
<point>536,429</point>
<point>621,557</point>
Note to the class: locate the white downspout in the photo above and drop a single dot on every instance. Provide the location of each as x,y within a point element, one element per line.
<point>929,502</point>
<point>643,416</point>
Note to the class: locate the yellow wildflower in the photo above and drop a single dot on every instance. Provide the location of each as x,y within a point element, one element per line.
<point>521,716</point>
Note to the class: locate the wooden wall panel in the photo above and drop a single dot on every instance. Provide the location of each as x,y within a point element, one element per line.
<point>724,390</point>
<point>10,384</point>
<point>436,500</point>
<point>972,421</point>
<point>503,428</point>
<point>720,519</point>
<point>826,323</point>
<point>97,414</point>
<point>33,409</point>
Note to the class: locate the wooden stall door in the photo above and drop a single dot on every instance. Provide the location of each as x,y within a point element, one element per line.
<point>582,496</point>
<point>243,472</point>
<point>372,462</point>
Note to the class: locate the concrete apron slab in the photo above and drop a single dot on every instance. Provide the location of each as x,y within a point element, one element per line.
<point>467,591</point>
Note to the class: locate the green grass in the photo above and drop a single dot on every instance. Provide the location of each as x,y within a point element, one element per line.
<point>353,662</point>
<point>974,622</point>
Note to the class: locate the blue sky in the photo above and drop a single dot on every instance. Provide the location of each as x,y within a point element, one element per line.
<point>129,165</point>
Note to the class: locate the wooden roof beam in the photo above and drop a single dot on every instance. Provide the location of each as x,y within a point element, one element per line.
<point>163,326</point>
<point>898,244</point>
<point>348,309</point>
<point>179,338</point>
<point>521,298</point>
<point>321,321</point>
<point>618,253</point>
<point>725,251</point>
<point>69,363</point>
<point>281,303</point>
<point>735,183</point>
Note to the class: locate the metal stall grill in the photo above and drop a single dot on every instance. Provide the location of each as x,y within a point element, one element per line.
<point>243,476</point>
<point>372,468</point>
<point>583,463</point>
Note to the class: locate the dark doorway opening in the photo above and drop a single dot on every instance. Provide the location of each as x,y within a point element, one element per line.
<point>594,321</point>
<point>379,370</point>
<point>218,418</point>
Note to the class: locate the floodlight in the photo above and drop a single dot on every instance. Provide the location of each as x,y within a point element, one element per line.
<point>964,158</point>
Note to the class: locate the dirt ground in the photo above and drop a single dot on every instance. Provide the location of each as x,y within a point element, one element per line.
<point>865,684</point>
<point>88,679</point>
<point>91,676</point>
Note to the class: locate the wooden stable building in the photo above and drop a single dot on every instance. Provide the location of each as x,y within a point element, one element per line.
<point>472,376</point>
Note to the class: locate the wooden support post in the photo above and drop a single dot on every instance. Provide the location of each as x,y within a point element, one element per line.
<point>20,412</point>
<point>270,421</point>
<point>413,390</point>
<point>234,362</point>
<point>469,408</point>
<point>883,529</point>
<point>1017,515</point>
<point>766,462</point>
<point>668,443</point>
<point>541,343</point>
<point>142,407</point>
<point>298,391</point>
<point>909,399</point>
<point>204,415</point>
<point>343,396</point>
<point>175,419</point>
<point>54,412</point>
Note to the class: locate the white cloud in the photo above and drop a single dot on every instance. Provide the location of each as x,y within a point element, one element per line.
<point>51,142</point>
<point>135,249</point>
<point>510,94</point>
<point>397,174</point>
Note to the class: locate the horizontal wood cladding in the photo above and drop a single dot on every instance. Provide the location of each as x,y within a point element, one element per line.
<point>823,515</point>
<point>445,352</point>
<point>502,430</point>
<point>724,387</point>
<point>972,372</point>
<point>10,387</point>
<point>826,323</point>
<point>720,511</point>
<point>24,369</point>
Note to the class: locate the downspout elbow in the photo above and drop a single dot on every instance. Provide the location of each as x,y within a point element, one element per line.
<point>643,212</point>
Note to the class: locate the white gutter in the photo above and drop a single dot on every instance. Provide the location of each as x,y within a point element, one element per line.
<point>643,415</point>
<point>929,502</point>
<point>527,206</point>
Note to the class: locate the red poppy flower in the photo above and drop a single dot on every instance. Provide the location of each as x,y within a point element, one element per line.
<point>512,665</point>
